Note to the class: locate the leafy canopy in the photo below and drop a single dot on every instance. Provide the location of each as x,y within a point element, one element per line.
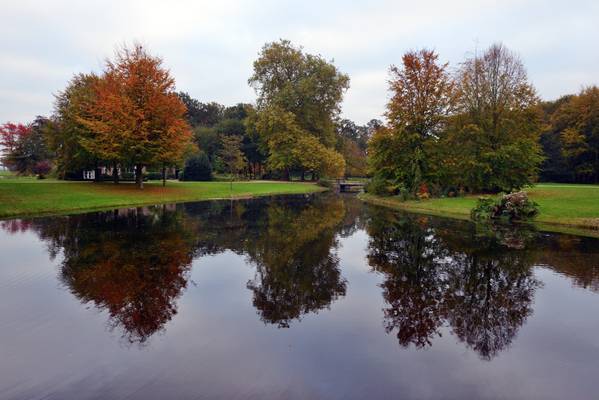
<point>299,97</point>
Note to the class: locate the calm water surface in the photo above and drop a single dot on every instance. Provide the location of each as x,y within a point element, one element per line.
<point>313,296</point>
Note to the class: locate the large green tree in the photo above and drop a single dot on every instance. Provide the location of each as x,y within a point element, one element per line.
<point>422,97</point>
<point>304,93</point>
<point>198,113</point>
<point>493,141</point>
<point>289,147</point>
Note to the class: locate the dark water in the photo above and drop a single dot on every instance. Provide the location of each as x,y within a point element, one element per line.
<point>297,297</point>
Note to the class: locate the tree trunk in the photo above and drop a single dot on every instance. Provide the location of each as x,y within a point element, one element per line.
<point>287,175</point>
<point>177,173</point>
<point>303,175</point>
<point>97,173</point>
<point>139,178</point>
<point>115,172</point>
<point>163,175</point>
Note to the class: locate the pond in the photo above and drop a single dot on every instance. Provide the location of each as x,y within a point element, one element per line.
<point>316,296</point>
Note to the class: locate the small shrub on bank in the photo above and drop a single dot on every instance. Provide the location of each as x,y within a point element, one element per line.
<point>197,168</point>
<point>509,207</point>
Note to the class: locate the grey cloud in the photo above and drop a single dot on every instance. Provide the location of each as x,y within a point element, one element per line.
<point>209,46</point>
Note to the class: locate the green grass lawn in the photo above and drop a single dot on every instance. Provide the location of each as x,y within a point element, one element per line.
<point>565,205</point>
<point>24,196</point>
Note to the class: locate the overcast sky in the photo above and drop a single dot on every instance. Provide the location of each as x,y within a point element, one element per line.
<point>209,46</point>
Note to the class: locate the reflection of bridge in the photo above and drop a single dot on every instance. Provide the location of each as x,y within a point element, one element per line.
<point>346,186</point>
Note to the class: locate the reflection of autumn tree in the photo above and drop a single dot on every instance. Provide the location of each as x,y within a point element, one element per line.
<point>407,255</point>
<point>484,291</point>
<point>296,273</point>
<point>489,297</point>
<point>134,264</point>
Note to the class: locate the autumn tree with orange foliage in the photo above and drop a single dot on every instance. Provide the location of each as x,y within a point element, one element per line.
<point>422,98</point>
<point>135,115</point>
<point>423,94</point>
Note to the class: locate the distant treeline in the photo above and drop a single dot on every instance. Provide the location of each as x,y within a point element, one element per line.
<point>211,122</point>
<point>570,138</point>
<point>480,128</point>
<point>129,122</point>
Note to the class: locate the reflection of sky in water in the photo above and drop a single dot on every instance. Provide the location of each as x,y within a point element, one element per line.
<point>217,345</point>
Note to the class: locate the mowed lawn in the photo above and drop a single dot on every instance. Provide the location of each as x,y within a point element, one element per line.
<point>560,204</point>
<point>27,196</point>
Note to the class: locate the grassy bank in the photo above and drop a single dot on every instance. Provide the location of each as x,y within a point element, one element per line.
<point>563,207</point>
<point>26,197</point>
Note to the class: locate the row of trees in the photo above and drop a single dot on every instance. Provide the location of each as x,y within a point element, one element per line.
<point>130,118</point>
<point>474,130</point>
<point>215,125</point>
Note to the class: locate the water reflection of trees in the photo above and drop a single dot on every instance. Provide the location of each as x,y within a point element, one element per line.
<point>297,271</point>
<point>291,242</point>
<point>435,276</point>
<point>573,256</point>
<point>488,299</point>
<point>403,251</point>
<point>135,263</point>
<point>132,263</point>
